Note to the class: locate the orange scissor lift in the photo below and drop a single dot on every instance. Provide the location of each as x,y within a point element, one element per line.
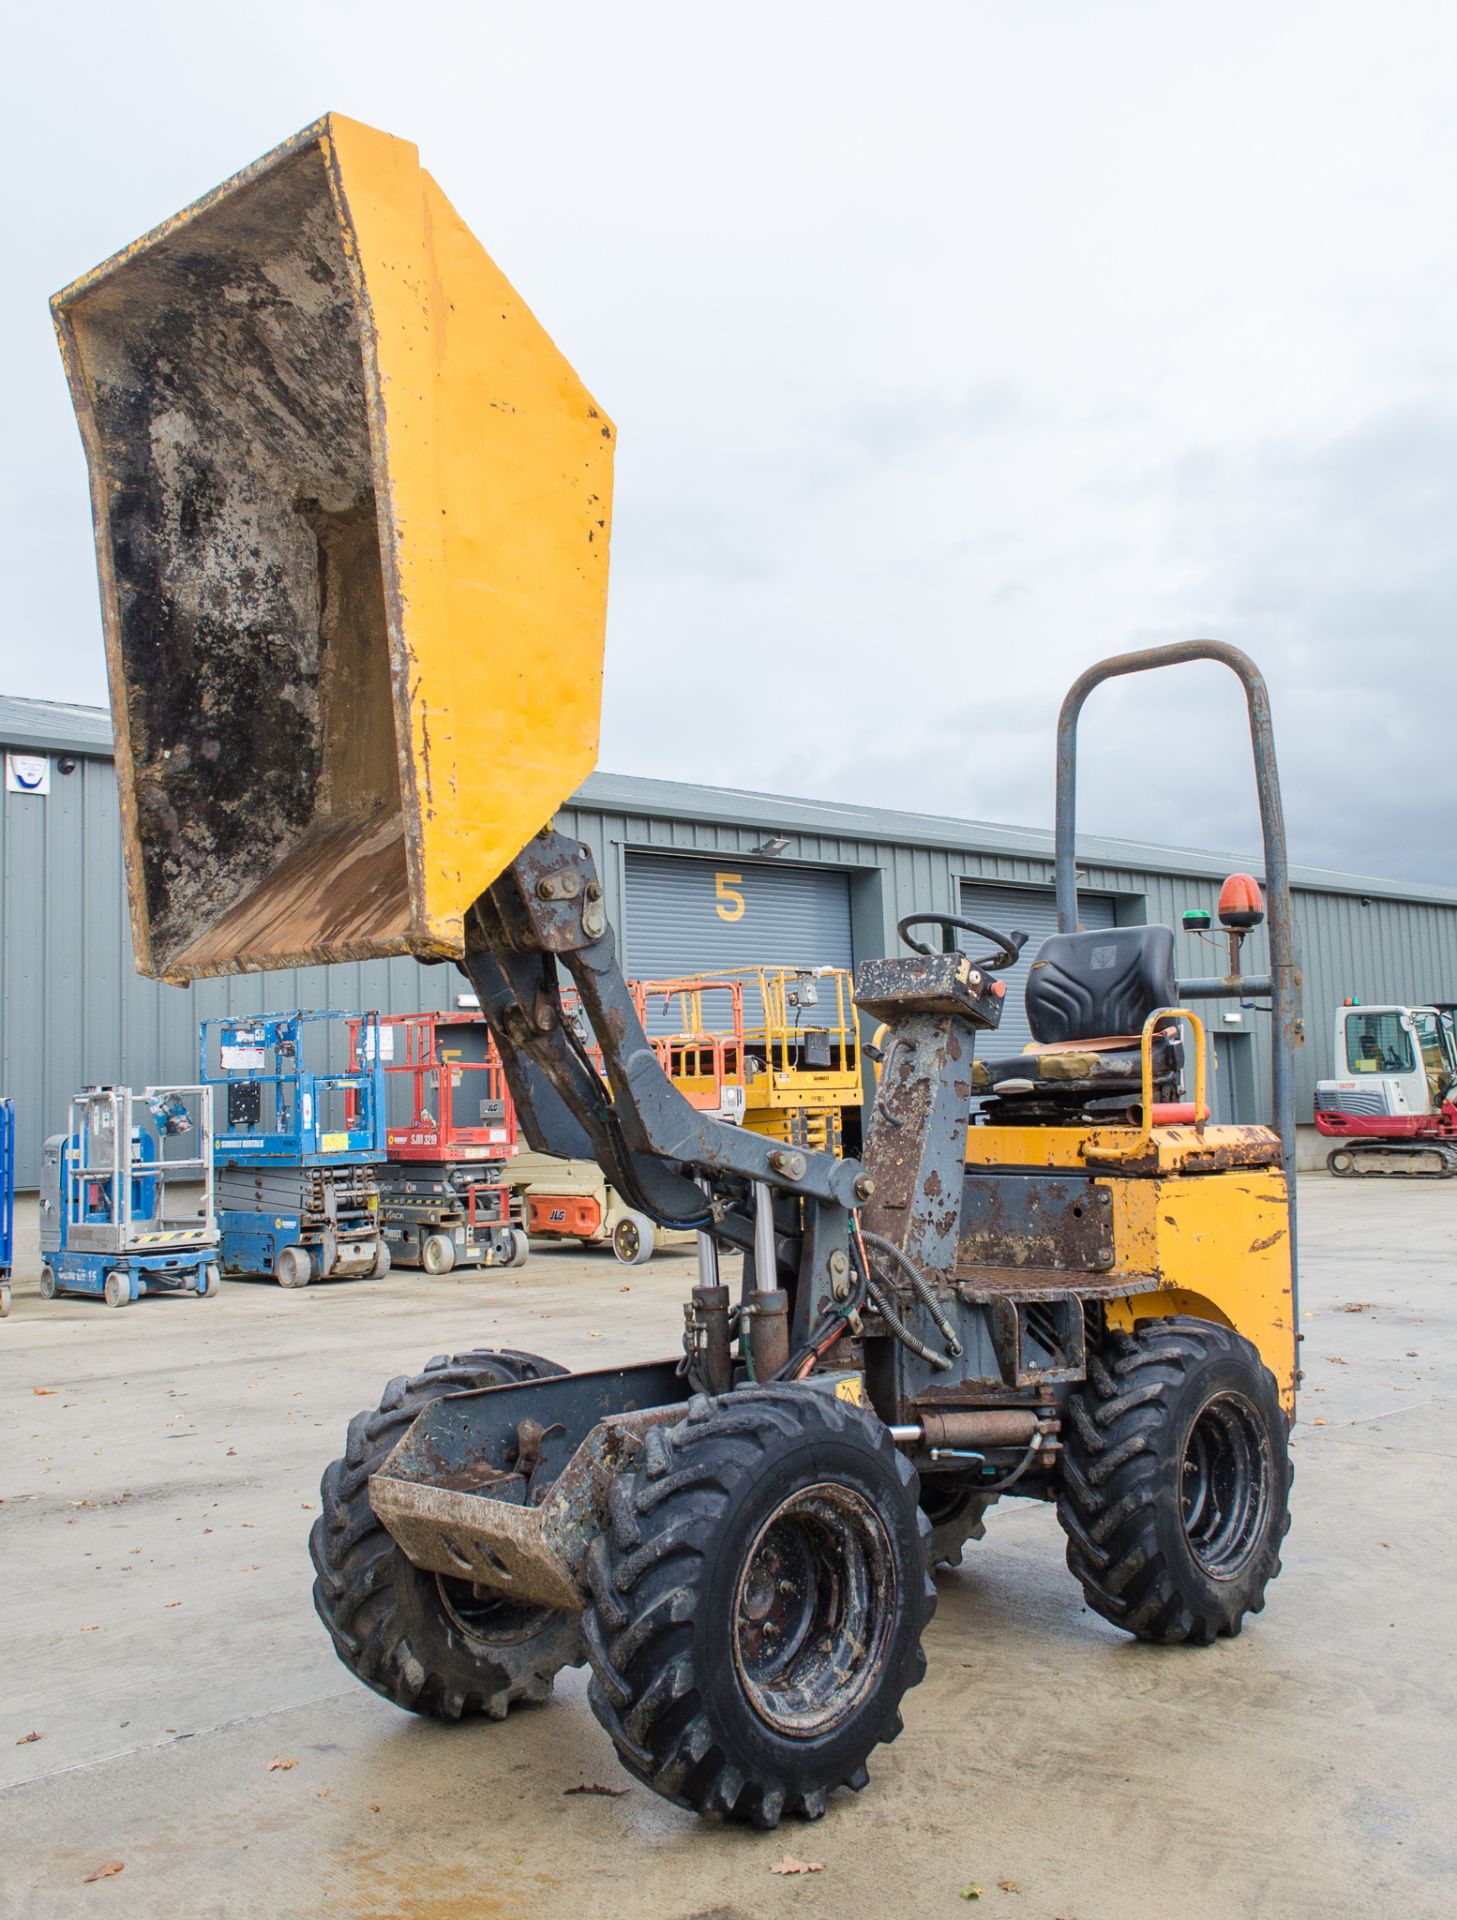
<point>444,1199</point>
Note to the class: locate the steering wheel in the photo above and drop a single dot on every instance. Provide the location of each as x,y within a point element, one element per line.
<point>1008,945</point>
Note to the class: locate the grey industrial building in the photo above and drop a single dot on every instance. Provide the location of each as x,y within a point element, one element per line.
<point>697,878</point>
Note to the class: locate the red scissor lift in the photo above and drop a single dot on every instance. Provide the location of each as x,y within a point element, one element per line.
<point>452,1128</point>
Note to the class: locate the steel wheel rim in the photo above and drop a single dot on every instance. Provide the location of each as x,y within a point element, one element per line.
<point>485,1616</point>
<point>1225,1485</point>
<point>627,1238</point>
<point>813,1609</point>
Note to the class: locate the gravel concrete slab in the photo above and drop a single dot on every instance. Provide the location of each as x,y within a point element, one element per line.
<point>158,1474</point>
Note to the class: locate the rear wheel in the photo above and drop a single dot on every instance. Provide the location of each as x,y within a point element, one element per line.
<point>118,1292</point>
<point>293,1267</point>
<point>430,1644</point>
<point>212,1284</point>
<point>47,1284</point>
<point>632,1239</point>
<point>437,1254</point>
<point>381,1262</point>
<point>520,1248</point>
<point>1176,1481</point>
<point>758,1603</point>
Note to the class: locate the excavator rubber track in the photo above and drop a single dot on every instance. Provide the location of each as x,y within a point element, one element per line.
<point>1413,1160</point>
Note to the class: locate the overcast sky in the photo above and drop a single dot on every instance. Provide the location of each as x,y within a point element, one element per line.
<point>951,347</point>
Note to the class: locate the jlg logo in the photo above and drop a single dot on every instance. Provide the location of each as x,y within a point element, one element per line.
<point>558,1213</point>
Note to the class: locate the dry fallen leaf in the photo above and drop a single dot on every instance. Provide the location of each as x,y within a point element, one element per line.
<point>790,1865</point>
<point>105,1873</point>
<point>590,1786</point>
<point>1355,1306</point>
<point>374,1806</point>
<point>1318,1423</point>
<point>41,1391</point>
<point>26,1738</point>
<point>1009,1886</point>
<point>95,1629</point>
<point>281,1766</point>
<point>170,1603</point>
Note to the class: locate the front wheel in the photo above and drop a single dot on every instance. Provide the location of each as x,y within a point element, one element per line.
<point>632,1239</point>
<point>47,1284</point>
<point>1176,1481</point>
<point>293,1267</point>
<point>118,1292</point>
<point>437,1255</point>
<point>212,1284</point>
<point>758,1603</point>
<point>956,1514</point>
<point>520,1248</point>
<point>381,1262</point>
<point>430,1644</point>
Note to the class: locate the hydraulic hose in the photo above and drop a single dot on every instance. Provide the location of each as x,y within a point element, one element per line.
<point>923,1293</point>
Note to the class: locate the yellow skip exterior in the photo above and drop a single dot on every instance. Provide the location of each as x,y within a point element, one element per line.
<point>448,685</point>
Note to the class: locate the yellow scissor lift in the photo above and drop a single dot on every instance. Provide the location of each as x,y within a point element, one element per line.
<point>790,1076</point>
<point>791,1042</point>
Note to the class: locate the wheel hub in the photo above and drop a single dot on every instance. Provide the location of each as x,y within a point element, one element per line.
<point>486,1616</point>
<point>813,1610</point>
<point>1225,1485</point>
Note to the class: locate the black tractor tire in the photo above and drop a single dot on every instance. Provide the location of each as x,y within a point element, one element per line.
<point>758,1601</point>
<point>956,1514</point>
<point>1175,1481</point>
<point>431,1645</point>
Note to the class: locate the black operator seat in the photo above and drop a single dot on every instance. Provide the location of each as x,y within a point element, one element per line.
<point>1088,995</point>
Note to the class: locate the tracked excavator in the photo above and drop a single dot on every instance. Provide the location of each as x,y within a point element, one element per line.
<point>1392,1105</point>
<point>350,503</point>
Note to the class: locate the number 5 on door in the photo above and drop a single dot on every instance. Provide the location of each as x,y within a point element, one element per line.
<point>726,892</point>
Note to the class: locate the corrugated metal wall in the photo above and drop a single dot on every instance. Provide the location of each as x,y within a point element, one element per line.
<point>1387,949</point>
<point>73,1009</point>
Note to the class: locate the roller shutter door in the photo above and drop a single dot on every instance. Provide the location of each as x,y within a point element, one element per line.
<point>1033,911</point>
<point>704,916</point>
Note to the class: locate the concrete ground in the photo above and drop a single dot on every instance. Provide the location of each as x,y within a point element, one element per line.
<point>159,1472</point>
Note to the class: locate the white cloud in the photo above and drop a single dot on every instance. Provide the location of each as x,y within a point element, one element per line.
<point>950,348</point>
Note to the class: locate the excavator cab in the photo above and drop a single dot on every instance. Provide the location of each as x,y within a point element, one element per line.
<point>1390,1103</point>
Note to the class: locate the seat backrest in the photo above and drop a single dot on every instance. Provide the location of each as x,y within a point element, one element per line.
<point>1089,986</point>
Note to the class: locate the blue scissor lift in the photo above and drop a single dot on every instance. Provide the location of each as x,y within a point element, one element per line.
<point>296,1145</point>
<point>123,1210</point>
<point>7,1200</point>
